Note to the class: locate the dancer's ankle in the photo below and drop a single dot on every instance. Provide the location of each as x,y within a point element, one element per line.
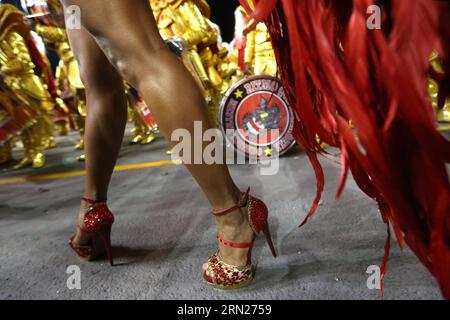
<point>236,217</point>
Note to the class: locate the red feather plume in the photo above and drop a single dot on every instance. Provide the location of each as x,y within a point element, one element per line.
<point>336,70</point>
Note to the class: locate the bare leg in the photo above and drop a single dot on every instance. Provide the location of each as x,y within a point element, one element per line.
<point>105,120</point>
<point>128,35</point>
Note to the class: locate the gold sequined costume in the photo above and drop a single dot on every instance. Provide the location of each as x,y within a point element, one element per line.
<point>144,133</point>
<point>16,117</point>
<point>18,70</point>
<point>443,115</point>
<point>51,28</point>
<point>259,56</point>
<point>189,19</point>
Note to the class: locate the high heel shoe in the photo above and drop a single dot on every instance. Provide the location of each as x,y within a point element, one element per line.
<point>98,223</point>
<point>225,276</point>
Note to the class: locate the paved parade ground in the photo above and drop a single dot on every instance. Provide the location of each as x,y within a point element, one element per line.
<point>163,233</point>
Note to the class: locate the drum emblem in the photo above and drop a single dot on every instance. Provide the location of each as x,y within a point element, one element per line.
<point>256,117</point>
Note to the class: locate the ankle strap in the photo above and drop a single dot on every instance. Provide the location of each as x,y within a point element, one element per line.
<point>92,201</point>
<point>242,203</point>
<point>234,244</point>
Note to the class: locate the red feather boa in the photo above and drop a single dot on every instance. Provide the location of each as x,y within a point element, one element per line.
<point>336,70</point>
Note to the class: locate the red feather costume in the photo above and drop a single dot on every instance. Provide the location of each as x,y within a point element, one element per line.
<point>336,71</point>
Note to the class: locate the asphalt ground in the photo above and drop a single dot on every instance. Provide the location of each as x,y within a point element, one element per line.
<point>163,233</point>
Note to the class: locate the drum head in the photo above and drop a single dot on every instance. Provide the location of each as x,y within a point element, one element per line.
<point>256,117</point>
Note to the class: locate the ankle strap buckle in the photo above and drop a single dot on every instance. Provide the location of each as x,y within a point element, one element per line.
<point>242,203</point>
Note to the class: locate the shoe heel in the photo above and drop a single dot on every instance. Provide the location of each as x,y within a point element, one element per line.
<point>105,235</point>
<point>266,231</point>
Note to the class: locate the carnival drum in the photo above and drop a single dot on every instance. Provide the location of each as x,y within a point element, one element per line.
<point>256,117</point>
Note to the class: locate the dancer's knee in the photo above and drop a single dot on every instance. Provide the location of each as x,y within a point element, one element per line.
<point>135,60</point>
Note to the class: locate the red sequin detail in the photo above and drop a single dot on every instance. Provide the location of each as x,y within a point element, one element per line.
<point>258,214</point>
<point>224,275</point>
<point>97,217</point>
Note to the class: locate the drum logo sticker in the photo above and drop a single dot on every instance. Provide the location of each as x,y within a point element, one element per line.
<point>257,110</point>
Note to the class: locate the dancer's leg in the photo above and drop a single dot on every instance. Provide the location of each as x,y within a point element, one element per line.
<point>106,117</point>
<point>128,35</point>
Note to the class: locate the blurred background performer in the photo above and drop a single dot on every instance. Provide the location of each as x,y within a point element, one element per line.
<point>440,102</point>
<point>16,118</point>
<point>48,23</point>
<point>189,19</point>
<point>21,64</point>
<point>255,51</point>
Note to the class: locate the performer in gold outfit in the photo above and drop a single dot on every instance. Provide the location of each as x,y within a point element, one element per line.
<point>6,153</point>
<point>16,117</point>
<point>255,47</point>
<point>6,110</point>
<point>443,112</point>
<point>51,28</point>
<point>18,55</point>
<point>189,19</point>
<point>144,132</point>
<point>49,25</point>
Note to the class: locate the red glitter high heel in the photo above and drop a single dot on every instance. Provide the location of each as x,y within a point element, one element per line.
<point>98,223</point>
<point>226,276</point>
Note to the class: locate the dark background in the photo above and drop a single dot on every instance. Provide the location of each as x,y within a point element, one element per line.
<point>13,2</point>
<point>222,13</point>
